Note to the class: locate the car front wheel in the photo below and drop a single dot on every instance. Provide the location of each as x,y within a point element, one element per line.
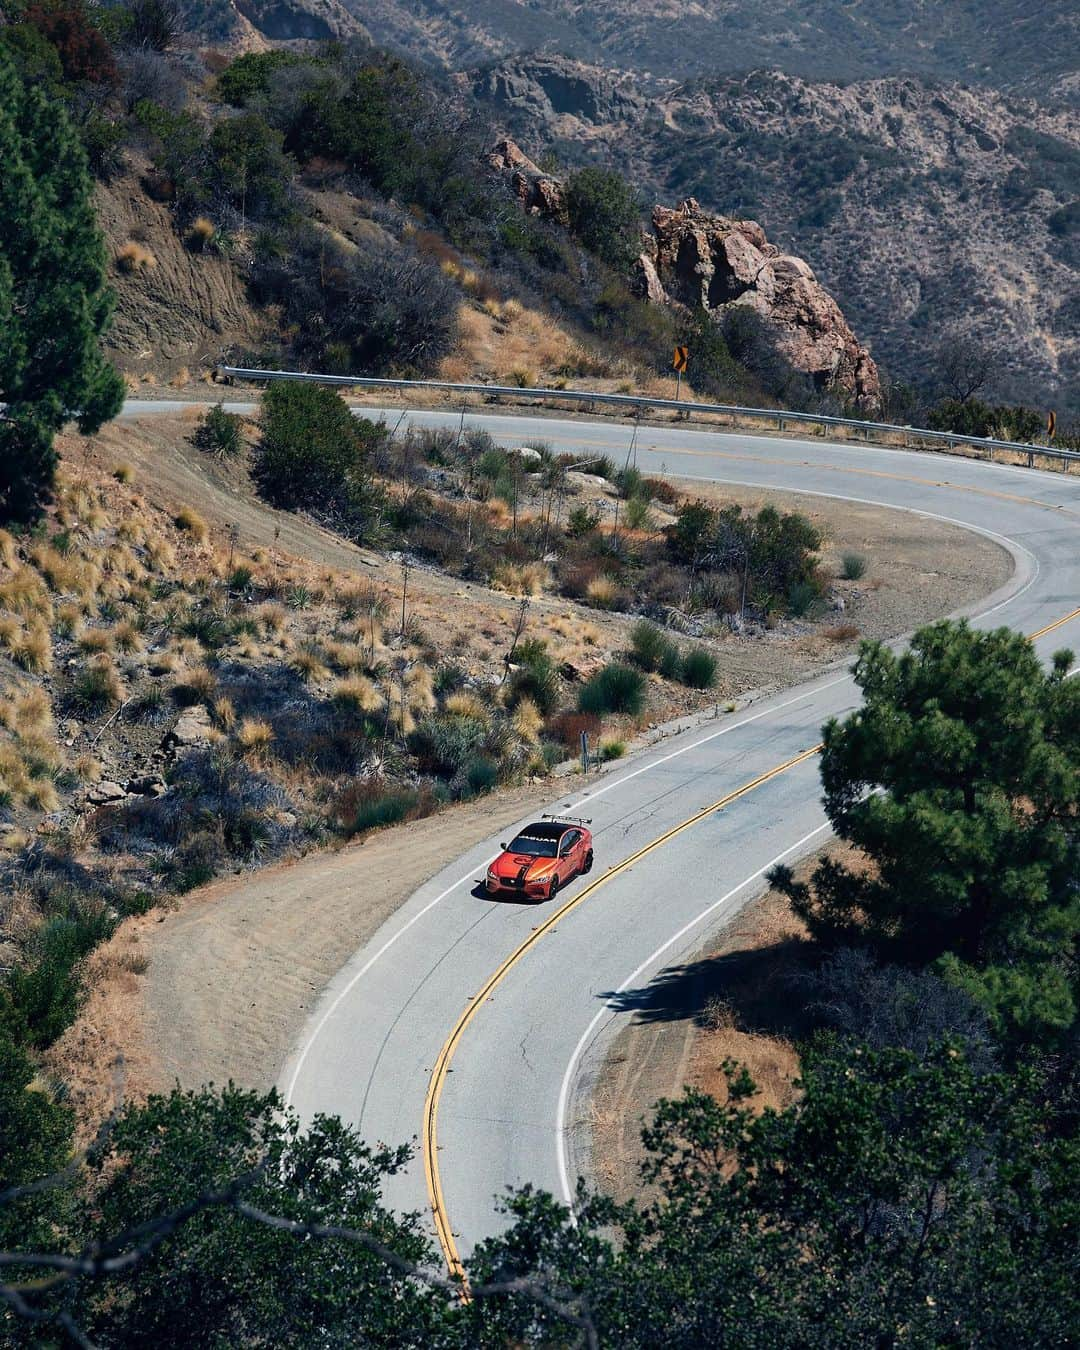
<point>554,888</point>
<point>586,866</point>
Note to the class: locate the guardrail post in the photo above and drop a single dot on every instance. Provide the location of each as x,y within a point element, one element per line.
<point>779,423</point>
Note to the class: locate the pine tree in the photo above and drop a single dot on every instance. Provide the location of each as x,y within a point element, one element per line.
<point>54,303</point>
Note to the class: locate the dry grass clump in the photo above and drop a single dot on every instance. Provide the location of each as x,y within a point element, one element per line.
<point>200,232</point>
<point>126,637</point>
<point>99,686</point>
<point>23,593</point>
<point>88,768</point>
<point>9,549</point>
<point>189,520</point>
<point>401,719</point>
<point>271,618</point>
<point>26,712</point>
<point>255,736</point>
<point>842,632</point>
<point>527,721</point>
<point>522,579</point>
<point>40,795</point>
<point>602,591</point>
<point>160,553</point>
<point>358,693</point>
<point>96,640</point>
<point>464,704</point>
<point>420,688</point>
<point>32,649</point>
<point>224,713</point>
<point>346,657</point>
<point>133,257</point>
<point>124,473</point>
<point>310,661</point>
<point>68,620</point>
<point>195,685</point>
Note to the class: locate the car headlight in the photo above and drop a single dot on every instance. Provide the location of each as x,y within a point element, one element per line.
<point>492,875</point>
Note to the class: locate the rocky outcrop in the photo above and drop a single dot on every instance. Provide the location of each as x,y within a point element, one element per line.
<point>697,259</point>
<point>538,192</point>
<point>558,92</point>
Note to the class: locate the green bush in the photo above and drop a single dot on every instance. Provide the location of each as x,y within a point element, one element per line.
<point>444,741</point>
<point>535,677</point>
<point>220,432</point>
<point>387,806</point>
<point>802,596</point>
<point>852,566</point>
<point>637,513</point>
<point>249,75</point>
<point>604,213</point>
<point>651,648</point>
<point>481,775</point>
<point>44,993</point>
<point>699,668</point>
<point>312,455</point>
<point>614,689</point>
<point>582,521</point>
<point>611,750</point>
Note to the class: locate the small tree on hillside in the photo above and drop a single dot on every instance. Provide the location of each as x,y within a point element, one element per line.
<point>959,780</point>
<point>604,213</point>
<point>54,305</point>
<point>312,456</point>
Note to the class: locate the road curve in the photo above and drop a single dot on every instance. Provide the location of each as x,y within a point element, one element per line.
<point>689,829</point>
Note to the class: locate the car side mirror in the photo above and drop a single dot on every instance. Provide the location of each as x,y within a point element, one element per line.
<point>503,846</point>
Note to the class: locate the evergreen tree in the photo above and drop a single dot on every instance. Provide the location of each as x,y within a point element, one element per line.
<point>54,304</point>
<point>959,780</point>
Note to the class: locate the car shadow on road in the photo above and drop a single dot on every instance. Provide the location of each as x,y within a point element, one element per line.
<point>480,892</point>
<point>764,987</point>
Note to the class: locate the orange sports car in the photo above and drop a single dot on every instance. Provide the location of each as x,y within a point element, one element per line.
<point>543,857</point>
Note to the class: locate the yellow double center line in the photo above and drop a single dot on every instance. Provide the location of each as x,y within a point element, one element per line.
<point>442,1065</point>
<point>443,1230</point>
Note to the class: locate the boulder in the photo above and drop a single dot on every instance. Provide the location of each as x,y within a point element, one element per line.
<point>105,793</point>
<point>698,259</point>
<point>193,727</point>
<point>539,193</point>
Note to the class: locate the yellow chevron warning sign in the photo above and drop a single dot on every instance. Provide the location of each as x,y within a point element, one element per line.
<point>682,359</point>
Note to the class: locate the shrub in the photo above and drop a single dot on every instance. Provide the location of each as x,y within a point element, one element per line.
<point>98,686</point>
<point>480,776</point>
<point>312,456</point>
<point>200,233</point>
<point>650,647</point>
<point>189,520</point>
<point>852,566</point>
<point>372,803</point>
<point>611,750</point>
<point>614,689</point>
<point>85,55</point>
<point>582,521</point>
<point>220,432</point>
<point>802,598</point>
<point>604,212</point>
<point>444,742</point>
<point>566,728</point>
<point>132,257</point>
<point>249,75</point>
<point>637,515</point>
<point>699,668</point>
<point>535,677</point>
<point>44,993</point>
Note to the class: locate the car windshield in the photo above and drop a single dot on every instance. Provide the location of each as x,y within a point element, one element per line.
<point>533,847</point>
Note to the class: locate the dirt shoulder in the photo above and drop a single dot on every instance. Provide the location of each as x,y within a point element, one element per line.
<point>219,986</point>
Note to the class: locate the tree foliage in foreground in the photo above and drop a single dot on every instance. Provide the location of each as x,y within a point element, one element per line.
<point>959,780</point>
<point>904,1199</point>
<point>54,304</point>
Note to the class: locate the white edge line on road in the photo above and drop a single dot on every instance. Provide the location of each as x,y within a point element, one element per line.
<point>609,1010</point>
<point>1013,547</point>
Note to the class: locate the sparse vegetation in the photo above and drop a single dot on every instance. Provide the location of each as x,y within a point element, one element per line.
<point>853,566</point>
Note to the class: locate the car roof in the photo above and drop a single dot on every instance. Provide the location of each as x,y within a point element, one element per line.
<point>543,829</point>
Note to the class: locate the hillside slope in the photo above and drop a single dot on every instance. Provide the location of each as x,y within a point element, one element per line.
<point>1002,43</point>
<point>926,209</point>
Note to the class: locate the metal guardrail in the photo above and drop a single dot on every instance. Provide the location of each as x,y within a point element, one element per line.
<point>776,416</point>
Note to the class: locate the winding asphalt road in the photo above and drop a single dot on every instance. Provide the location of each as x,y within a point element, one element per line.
<point>477,1027</point>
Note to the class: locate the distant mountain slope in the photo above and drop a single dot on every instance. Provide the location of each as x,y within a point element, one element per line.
<point>1009,44</point>
<point>925,208</point>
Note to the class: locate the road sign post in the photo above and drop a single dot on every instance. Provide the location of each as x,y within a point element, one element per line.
<point>585,752</point>
<point>679,363</point>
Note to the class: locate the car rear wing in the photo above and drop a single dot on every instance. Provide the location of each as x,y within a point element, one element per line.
<point>567,820</point>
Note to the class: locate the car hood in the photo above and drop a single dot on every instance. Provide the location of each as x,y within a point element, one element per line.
<point>509,865</point>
